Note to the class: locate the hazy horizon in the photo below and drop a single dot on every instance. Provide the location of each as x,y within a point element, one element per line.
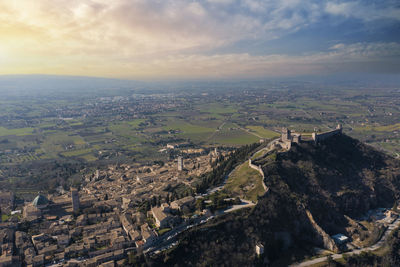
<point>210,39</point>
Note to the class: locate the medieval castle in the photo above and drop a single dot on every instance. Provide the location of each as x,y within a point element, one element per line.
<point>288,138</point>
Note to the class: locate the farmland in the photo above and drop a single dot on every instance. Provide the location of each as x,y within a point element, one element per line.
<point>126,127</point>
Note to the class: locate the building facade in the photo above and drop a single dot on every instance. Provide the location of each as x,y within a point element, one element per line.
<point>180,163</point>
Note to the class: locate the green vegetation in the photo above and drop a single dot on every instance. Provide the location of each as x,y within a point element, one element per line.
<point>245,182</point>
<point>4,217</point>
<point>18,132</point>
<point>224,167</point>
<point>263,132</point>
<point>258,154</point>
<point>163,231</point>
<point>234,137</point>
<point>372,235</point>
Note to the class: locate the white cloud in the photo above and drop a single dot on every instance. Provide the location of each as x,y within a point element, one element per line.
<point>341,58</point>
<point>344,9</point>
<point>366,11</point>
<point>225,2</point>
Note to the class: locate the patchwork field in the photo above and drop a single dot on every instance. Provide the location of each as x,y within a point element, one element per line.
<point>92,129</point>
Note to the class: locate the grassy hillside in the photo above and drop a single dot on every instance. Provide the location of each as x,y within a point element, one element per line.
<point>245,182</point>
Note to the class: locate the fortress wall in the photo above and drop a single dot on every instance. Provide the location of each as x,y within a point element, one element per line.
<point>259,169</point>
<point>323,136</point>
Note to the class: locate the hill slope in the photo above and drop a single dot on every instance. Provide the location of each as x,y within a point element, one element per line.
<point>313,192</point>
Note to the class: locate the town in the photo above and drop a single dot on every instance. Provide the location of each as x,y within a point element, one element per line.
<point>117,210</point>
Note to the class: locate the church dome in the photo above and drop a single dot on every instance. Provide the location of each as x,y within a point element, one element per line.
<point>40,201</point>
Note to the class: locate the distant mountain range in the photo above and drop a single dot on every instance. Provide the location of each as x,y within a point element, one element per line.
<point>20,84</point>
<point>39,84</point>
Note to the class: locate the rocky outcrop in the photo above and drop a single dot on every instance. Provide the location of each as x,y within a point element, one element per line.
<point>325,239</point>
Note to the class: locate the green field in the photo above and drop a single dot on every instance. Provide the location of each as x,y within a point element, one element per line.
<point>263,131</point>
<point>234,137</point>
<point>135,123</point>
<point>18,132</point>
<point>379,128</point>
<point>75,153</point>
<point>187,128</point>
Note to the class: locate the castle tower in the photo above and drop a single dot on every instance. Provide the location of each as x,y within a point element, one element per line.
<point>75,200</point>
<point>180,163</point>
<point>315,137</point>
<point>286,135</point>
<point>297,138</point>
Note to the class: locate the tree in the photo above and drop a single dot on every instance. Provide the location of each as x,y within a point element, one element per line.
<point>200,205</point>
<point>153,201</point>
<point>330,261</point>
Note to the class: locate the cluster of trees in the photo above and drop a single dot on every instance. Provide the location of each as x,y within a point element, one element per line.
<point>44,175</point>
<point>218,201</point>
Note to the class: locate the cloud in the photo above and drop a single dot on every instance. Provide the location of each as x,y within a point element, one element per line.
<point>135,38</point>
<point>354,57</point>
<point>358,57</point>
<point>365,10</point>
<point>150,27</point>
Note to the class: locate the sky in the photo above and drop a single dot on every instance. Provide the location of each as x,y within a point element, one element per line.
<point>208,39</point>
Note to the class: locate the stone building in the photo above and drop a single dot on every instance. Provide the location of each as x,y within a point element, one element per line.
<point>34,210</point>
<point>161,215</point>
<point>180,203</point>
<point>286,135</point>
<point>259,249</point>
<point>40,202</point>
<point>180,163</point>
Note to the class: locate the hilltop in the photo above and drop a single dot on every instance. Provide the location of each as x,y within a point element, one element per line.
<point>316,190</point>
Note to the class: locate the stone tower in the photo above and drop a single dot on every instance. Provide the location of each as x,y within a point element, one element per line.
<point>75,199</point>
<point>180,163</point>
<point>286,135</point>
